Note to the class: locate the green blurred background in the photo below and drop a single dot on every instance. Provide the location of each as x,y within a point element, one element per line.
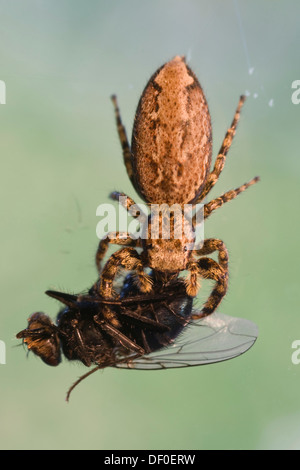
<point>60,158</point>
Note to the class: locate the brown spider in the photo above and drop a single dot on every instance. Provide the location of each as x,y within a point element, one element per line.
<point>169,163</point>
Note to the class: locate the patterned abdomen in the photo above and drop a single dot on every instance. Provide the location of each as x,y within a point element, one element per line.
<point>172,137</point>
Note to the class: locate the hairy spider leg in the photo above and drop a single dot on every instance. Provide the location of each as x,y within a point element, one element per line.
<point>226,197</point>
<point>120,238</point>
<point>126,258</point>
<point>123,139</point>
<point>221,158</point>
<point>208,268</point>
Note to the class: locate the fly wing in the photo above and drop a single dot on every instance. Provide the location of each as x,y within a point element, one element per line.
<point>213,339</point>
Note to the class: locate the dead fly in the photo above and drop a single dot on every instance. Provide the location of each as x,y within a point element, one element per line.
<point>148,331</point>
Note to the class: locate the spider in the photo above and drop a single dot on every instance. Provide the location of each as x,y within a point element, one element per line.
<point>169,163</point>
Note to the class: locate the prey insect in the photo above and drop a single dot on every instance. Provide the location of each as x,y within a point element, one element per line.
<point>154,331</point>
<point>169,162</point>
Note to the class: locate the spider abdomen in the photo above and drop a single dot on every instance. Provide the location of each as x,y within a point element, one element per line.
<point>172,138</point>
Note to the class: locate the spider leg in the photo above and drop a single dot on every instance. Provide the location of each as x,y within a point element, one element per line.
<point>220,160</point>
<point>192,283</point>
<point>124,141</point>
<point>126,258</point>
<point>115,238</point>
<point>120,238</point>
<point>207,268</point>
<point>213,244</point>
<point>226,197</point>
<point>209,246</point>
<point>126,202</point>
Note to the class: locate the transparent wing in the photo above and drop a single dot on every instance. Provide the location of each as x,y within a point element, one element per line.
<point>213,339</point>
